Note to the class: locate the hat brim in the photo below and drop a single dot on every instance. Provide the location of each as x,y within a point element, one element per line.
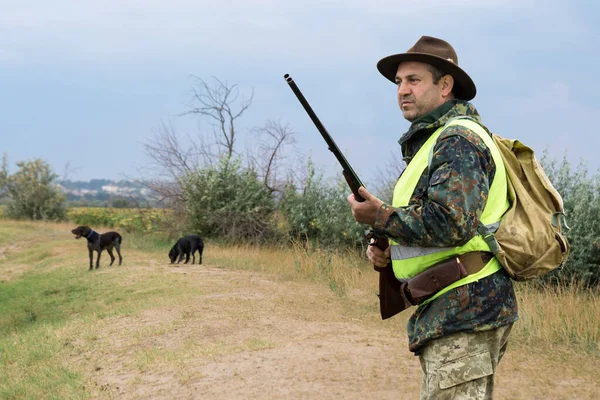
<point>464,87</point>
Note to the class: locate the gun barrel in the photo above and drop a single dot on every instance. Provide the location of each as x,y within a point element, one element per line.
<point>328,139</point>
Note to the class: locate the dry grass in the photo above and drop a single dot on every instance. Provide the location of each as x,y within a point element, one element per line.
<point>564,316</point>
<point>549,317</point>
<point>559,316</point>
<point>342,271</point>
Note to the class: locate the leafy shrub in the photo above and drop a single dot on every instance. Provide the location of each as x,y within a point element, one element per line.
<point>581,196</point>
<point>32,193</point>
<point>320,213</point>
<point>229,202</point>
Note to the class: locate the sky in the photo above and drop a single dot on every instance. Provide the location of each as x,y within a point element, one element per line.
<point>86,83</point>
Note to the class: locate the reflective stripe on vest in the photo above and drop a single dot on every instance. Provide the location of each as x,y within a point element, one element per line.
<point>409,261</point>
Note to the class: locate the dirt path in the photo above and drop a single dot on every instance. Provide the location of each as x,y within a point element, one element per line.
<point>247,335</point>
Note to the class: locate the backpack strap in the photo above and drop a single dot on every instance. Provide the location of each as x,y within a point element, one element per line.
<point>559,221</point>
<point>485,231</point>
<point>487,234</point>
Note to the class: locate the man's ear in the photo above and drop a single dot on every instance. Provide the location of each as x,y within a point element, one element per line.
<point>447,84</point>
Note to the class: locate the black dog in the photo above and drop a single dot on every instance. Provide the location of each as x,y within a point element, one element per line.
<point>185,246</point>
<point>99,242</point>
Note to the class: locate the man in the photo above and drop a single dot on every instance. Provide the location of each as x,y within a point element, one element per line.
<point>453,184</point>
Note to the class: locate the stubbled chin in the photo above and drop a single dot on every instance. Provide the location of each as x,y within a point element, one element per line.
<point>409,116</point>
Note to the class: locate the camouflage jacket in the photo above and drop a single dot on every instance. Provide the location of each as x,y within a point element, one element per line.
<point>444,210</point>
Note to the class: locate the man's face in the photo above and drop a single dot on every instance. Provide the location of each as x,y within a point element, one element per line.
<point>417,94</point>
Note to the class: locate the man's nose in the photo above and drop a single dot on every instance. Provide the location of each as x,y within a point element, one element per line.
<point>403,89</point>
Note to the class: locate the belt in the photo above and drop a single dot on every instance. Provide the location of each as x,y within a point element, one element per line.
<point>397,295</point>
<point>427,283</point>
<point>475,260</point>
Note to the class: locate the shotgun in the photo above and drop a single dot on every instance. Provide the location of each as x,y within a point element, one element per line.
<point>391,300</point>
<point>349,174</point>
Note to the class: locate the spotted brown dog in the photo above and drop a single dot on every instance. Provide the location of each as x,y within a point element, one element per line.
<point>99,242</point>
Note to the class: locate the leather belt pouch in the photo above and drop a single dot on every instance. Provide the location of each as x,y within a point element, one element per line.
<point>397,295</point>
<point>424,285</point>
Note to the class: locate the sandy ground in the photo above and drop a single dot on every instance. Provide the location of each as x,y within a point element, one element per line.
<point>247,335</point>
<point>250,335</point>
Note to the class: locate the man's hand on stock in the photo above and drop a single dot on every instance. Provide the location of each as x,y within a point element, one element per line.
<point>379,258</point>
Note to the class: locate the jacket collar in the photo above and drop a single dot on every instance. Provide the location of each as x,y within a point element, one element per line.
<point>425,125</point>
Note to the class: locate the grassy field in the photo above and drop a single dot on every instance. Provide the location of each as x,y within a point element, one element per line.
<point>54,313</point>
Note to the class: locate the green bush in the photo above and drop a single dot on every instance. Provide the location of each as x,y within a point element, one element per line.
<point>32,193</point>
<point>320,212</point>
<point>581,196</point>
<point>229,202</point>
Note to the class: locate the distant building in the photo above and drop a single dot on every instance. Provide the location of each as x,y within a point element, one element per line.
<point>101,191</point>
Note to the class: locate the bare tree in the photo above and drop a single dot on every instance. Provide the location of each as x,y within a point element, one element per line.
<point>175,160</point>
<point>221,104</point>
<point>171,157</point>
<point>68,170</point>
<point>272,137</point>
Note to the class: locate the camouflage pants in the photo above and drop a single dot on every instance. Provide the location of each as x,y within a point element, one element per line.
<point>462,365</point>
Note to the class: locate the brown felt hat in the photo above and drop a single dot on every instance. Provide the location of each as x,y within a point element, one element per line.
<point>436,52</point>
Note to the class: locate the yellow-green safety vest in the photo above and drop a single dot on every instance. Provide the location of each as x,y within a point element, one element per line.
<point>409,261</point>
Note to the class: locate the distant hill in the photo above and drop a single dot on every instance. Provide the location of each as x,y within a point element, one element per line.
<point>104,192</point>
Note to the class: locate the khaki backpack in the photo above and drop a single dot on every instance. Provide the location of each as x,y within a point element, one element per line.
<point>530,240</point>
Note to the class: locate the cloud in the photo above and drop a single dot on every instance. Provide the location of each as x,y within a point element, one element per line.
<point>312,31</point>
<point>120,66</point>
